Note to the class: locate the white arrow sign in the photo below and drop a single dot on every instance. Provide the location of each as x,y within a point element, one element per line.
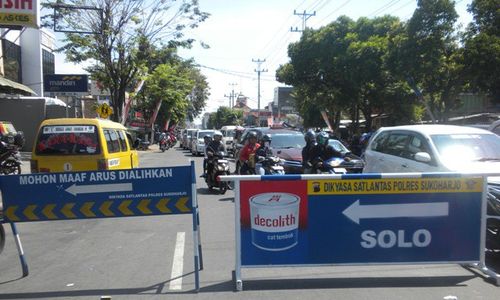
<point>99,188</point>
<point>355,211</point>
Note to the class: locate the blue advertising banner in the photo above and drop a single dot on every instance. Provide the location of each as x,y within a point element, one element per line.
<point>65,83</point>
<point>346,221</point>
<point>97,194</point>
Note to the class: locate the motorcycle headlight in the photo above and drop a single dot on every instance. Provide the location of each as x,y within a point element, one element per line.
<point>334,163</point>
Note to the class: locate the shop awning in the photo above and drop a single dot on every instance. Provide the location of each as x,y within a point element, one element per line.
<point>13,86</point>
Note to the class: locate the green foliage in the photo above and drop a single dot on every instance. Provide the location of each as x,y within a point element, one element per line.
<point>343,67</point>
<point>116,48</point>
<point>225,116</point>
<point>482,48</point>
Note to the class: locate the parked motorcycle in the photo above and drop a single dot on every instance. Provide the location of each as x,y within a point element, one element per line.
<point>10,159</point>
<point>271,165</point>
<point>219,167</point>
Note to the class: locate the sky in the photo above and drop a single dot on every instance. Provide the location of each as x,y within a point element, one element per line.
<point>239,31</point>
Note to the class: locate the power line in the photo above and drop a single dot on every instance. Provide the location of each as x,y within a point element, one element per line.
<point>273,39</point>
<point>232,73</point>
<point>384,7</point>
<point>335,10</point>
<point>305,16</point>
<point>259,70</point>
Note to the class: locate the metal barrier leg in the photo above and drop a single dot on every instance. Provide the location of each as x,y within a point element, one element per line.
<point>24,264</point>
<point>2,237</point>
<point>494,276</point>
<point>200,252</point>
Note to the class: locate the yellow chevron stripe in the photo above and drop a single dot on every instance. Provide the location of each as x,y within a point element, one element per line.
<point>47,211</point>
<point>181,204</point>
<point>143,207</point>
<point>162,206</point>
<point>105,209</point>
<point>10,213</point>
<point>29,212</point>
<point>86,209</point>
<point>123,208</point>
<point>66,210</point>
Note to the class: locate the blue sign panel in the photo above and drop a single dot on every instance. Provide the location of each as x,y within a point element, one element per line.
<point>62,83</point>
<point>346,221</point>
<point>97,194</point>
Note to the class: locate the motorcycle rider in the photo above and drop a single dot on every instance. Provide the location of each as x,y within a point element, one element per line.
<point>207,139</point>
<point>249,149</point>
<point>324,151</point>
<point>310,151</point>
<point>214,147</point>
<point>263,152</point>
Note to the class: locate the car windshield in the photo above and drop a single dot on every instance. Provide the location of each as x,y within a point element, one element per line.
<point>203,134</point>
<point>68,140</point>
<point>287,140</point>
<point>467,147</point>
<point>230,133</point>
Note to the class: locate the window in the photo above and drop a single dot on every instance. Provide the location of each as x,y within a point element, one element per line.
<point>396,144</point>
<point>48,65</point>
<point>122,138</point>
<point>379,142</point>
<point>68,140</point>
<point>12,61</point>
<point>112,140</point>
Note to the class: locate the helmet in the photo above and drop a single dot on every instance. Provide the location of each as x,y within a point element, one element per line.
<point>252,134</point>
<point>266,138</point>
<point>310,136</point>
<point>207,138</point>
<point>322,138</point>
<point>217,135</point>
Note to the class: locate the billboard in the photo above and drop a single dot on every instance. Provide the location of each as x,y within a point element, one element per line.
<point>360,221</point>
<point>66,83</point>
<point>19,13</point>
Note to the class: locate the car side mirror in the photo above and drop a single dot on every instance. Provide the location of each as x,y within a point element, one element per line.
<point>423,157</point>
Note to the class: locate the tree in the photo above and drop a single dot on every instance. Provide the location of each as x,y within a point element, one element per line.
<point>343,68</point>
<point>165,94</point>
<point>482,48</point>
<point>126,26</point>
<point>429,54</point>
<point>224,116</point>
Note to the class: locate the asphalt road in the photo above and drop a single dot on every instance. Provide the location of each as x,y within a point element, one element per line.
<point>137,258</point>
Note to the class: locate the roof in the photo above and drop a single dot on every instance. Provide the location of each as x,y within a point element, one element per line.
<point>13,86</point>
<point>83,121</point>
<point>439,129</point>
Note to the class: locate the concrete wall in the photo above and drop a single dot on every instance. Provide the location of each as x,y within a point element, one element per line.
<point>25,115</point>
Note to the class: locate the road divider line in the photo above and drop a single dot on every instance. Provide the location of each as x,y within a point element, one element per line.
<point>178,262</point>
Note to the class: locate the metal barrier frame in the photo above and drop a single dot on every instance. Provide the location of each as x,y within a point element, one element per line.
<point>481,265</point>
<point>197,248</point>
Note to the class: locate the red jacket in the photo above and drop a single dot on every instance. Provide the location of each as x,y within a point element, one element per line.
<point>247,150</point>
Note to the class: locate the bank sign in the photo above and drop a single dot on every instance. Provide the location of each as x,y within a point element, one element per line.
<point>19,13</point>
<point>348,221</point>
<point>66,83</point>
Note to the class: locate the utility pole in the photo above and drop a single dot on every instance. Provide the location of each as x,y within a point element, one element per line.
<point>231,96</point>
<point>258,70</point>
<point>305,17</point>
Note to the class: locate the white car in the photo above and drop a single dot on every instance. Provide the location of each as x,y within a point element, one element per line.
<point>440,148</point>
<point>432,148</point>
<point>198,142</point>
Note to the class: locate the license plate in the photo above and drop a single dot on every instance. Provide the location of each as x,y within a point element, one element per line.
<point>222,161</point>
<point>277,167</point>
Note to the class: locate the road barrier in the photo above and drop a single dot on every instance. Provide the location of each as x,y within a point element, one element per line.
<point>312,220</point>
<point>102,194</point>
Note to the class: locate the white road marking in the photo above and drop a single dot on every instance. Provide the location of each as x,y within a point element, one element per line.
<point>178,263</point>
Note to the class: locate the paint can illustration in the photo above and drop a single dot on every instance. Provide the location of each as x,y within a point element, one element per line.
<point>274,221</point>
